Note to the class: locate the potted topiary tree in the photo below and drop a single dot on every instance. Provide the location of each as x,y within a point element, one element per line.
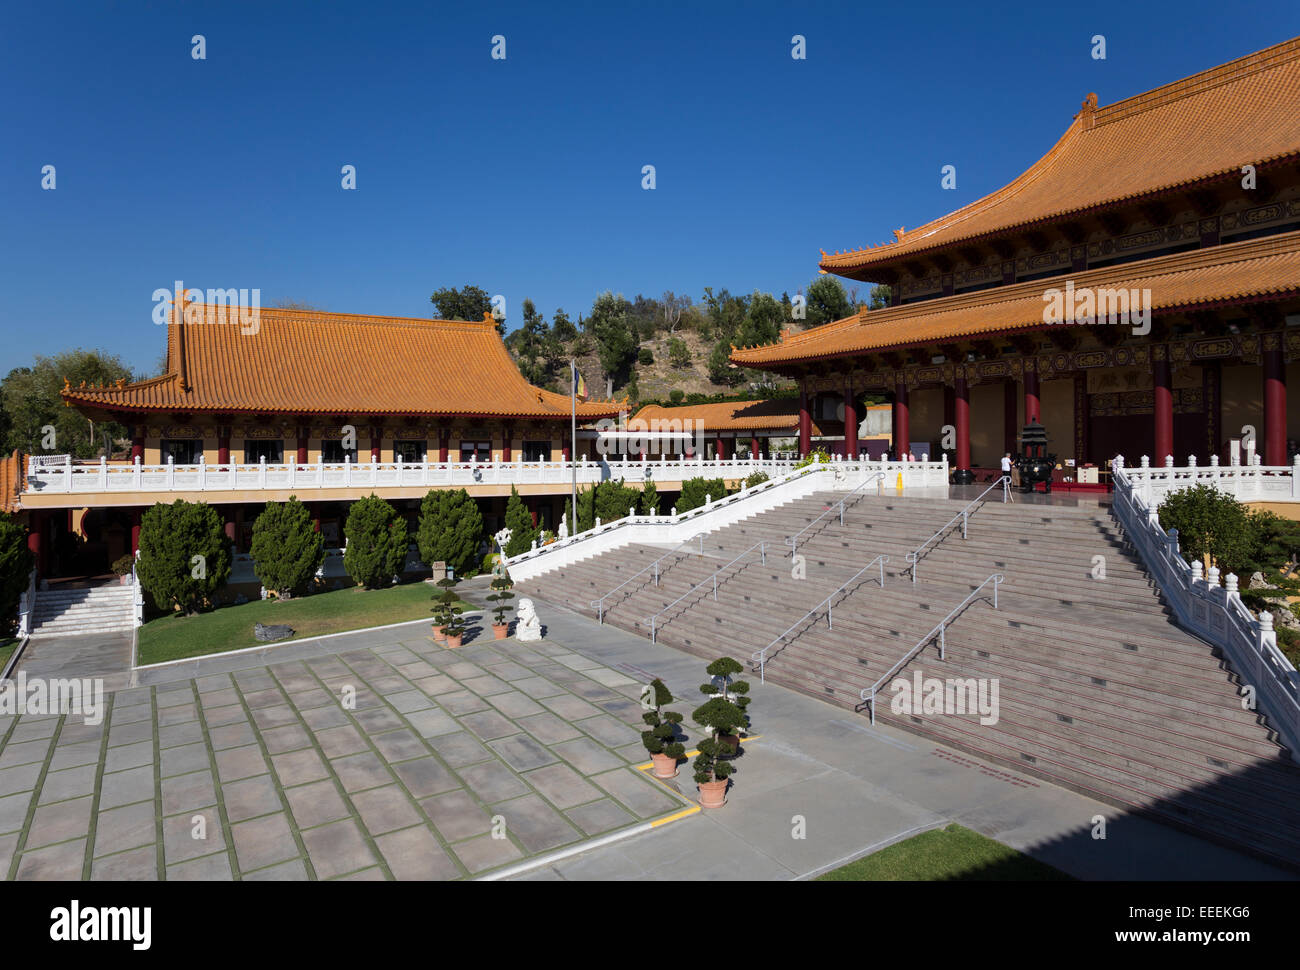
<point>719,716</point>
<point>661,738</point>
<point>501,584</point>
<point>122,567</point>
<point>446,613</point>
<point>735,692</point>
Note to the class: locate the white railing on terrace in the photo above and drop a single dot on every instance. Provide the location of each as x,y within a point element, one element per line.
<point>1251,482</point>
<point>868,694</point>
<point>63,474</point>
<point>1213,612</point>
<point>677,528</point>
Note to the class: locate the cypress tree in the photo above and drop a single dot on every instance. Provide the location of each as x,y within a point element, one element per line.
<point>287,550</point>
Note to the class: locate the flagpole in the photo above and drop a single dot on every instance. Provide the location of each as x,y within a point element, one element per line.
<point>573,441</point>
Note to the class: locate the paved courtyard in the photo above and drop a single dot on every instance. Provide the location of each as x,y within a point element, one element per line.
<point>447,764</point>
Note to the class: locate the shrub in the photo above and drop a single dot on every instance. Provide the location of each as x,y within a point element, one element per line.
<point>520,523</point>
<point>16,561</point>
<point>694,491</point>
<point>287,550</point>
<point>122,565</point>
<point>675,395</point>
<point>758,478</point>
<point>184,555</point>
<point>450,529</point>
<point>818,456</point>
<point>614,498</point>
<point>644,356</point>
<point>1212,526</point>
<point>376,542</point>
<point>679,355</point>
<point>447,609</point>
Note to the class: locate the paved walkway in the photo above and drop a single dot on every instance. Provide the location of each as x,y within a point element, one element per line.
<point>821,772</point>
<point>398,759</point>
<point>106,656</point>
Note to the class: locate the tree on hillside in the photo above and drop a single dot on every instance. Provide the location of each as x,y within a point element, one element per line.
<point>827,301</point>
<point>530,344</point>
<point>184,555</point>
<point>881,297</point>
<point>29,397</point>
<point>562,328</point>
<point>671,308</point>
<point>762,323</point>
<point>287,550</point>
<point>616,342</point>
<point>467,303</point>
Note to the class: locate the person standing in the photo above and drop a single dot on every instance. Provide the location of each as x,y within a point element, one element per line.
<point>1010,469</point>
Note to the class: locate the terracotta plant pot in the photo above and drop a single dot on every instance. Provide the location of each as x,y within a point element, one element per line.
<point>500,630</point>
<point>453,641</point>
<point>713,794</point>
<point>664,766</point>
<point>438,635</point>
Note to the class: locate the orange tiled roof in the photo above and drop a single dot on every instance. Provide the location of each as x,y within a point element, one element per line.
<point>1202,127</point>
<point>1203,277</point>
<point>11,477</point>
<point>306,361</point>
<point>776,415</point>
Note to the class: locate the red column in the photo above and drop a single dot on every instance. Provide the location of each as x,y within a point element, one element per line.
<point>1274,401</point>
<point>223,445</point>
<point>229,525</point>
<point>719,448</point>
<point>1163,392</point>
<point>566,451</point>
<point>1033,409</point>
<point>135,531</point>
<point>302,444</point>
<point>507,433</point>
<point>961,419</point>
<point>850,423</point>
<point>137,442</point>
<point>805,425</point>
<point>35,540</point>
<point>376,442</point>
<point>443,436</point>
<point>1010,410</point>
<point>753,446</point>
<point>902,419</point>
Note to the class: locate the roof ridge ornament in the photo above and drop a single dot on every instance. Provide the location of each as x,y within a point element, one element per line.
<point>899,233</point>
<point>1088,111</point>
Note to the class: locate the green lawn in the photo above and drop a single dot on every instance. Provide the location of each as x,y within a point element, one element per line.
<point>231,627</point>
<point>7,646</point>
<point>954,853</point>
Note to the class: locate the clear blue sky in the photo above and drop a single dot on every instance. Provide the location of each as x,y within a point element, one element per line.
<point>522,176</point>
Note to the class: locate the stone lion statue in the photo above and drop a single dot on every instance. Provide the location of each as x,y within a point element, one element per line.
<point>528,627</point>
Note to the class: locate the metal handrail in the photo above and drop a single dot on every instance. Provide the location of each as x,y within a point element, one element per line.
<point>760,656</point>
<point>914,556</point>
<point>793,541</point>
<point>868,695</point>
<point>599,605</point>
<point>762,552</point>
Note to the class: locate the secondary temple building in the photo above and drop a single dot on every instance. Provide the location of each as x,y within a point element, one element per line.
<point>1136,290</point>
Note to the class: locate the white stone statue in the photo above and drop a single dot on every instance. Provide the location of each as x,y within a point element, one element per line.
<point>564,526</point>
<point>527,626</point>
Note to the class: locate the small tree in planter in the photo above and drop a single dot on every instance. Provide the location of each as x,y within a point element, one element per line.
<point>724,716</point>
<point>122,567</point>
<point>501,585</point>
<point>661,738</point>
<point>447,623</point>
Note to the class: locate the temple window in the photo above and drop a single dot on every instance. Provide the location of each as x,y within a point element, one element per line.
<point>182,451</point>
<point>333,452</point>
<point>537,451</point>
<point>409,451</point>
<point>272,451</point>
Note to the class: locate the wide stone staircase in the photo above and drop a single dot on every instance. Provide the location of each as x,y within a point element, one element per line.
<point>73,612</point>
<point>1098,690</point>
